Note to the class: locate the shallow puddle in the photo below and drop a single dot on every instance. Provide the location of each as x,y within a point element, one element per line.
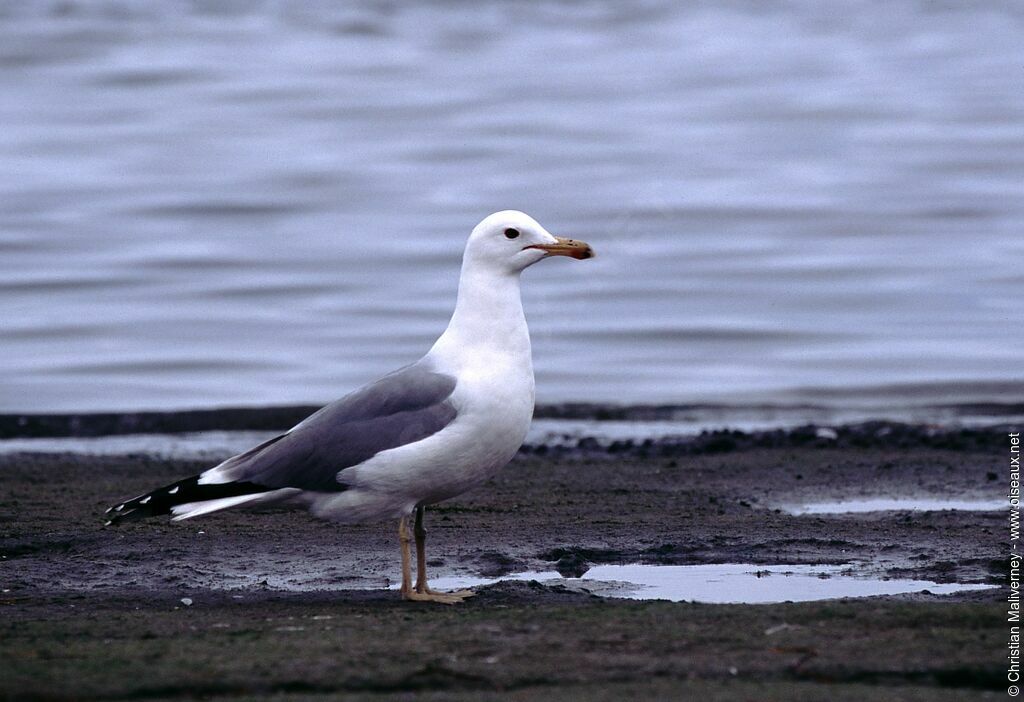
<point>723,583</point>
<point>896,504</point>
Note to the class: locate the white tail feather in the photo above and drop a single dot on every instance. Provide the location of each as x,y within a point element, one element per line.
<point>194,509</point>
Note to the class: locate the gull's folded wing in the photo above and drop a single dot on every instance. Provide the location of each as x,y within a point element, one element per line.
<point>401,408</point>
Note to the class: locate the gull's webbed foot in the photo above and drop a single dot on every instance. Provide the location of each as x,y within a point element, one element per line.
<point>425,589</point>
<point>439,597</point>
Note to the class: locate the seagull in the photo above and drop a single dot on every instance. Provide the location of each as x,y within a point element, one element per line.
<point>422,434</point>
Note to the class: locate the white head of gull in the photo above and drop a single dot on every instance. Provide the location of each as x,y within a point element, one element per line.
<point>424,433</point>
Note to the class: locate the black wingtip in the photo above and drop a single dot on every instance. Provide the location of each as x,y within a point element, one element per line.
<point>151,504</point>
<point>162,500</point>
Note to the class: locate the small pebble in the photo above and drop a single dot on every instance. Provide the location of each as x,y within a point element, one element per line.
<point>187,601</point>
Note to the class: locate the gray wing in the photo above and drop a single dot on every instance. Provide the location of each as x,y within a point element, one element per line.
<point>401,408</point>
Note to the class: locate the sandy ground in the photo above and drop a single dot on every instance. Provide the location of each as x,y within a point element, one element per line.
<point>89,612</point>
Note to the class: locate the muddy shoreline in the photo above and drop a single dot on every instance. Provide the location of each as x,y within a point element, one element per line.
<point>280,418</point>
<point>92,612</point>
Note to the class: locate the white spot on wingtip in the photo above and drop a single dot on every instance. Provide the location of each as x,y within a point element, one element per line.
<point>107,523</point>
<point>172,491</point>
<point>119,508</point>
<point>145,500</point>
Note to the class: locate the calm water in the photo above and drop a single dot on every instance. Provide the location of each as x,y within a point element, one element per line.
<point>202,207</point>
<point>721,583</point>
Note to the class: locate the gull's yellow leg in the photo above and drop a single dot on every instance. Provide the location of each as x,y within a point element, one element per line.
<point>403,539</point>
<point>421,563</point>
<point>421,553</point>
<point>422,592</point>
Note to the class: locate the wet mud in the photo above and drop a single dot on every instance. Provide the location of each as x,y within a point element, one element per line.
<point>276,604</point>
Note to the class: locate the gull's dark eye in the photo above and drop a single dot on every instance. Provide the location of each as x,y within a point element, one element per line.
<point>511,233</point>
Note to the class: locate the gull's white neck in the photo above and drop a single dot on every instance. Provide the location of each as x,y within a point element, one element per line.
<point>488,324</point>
